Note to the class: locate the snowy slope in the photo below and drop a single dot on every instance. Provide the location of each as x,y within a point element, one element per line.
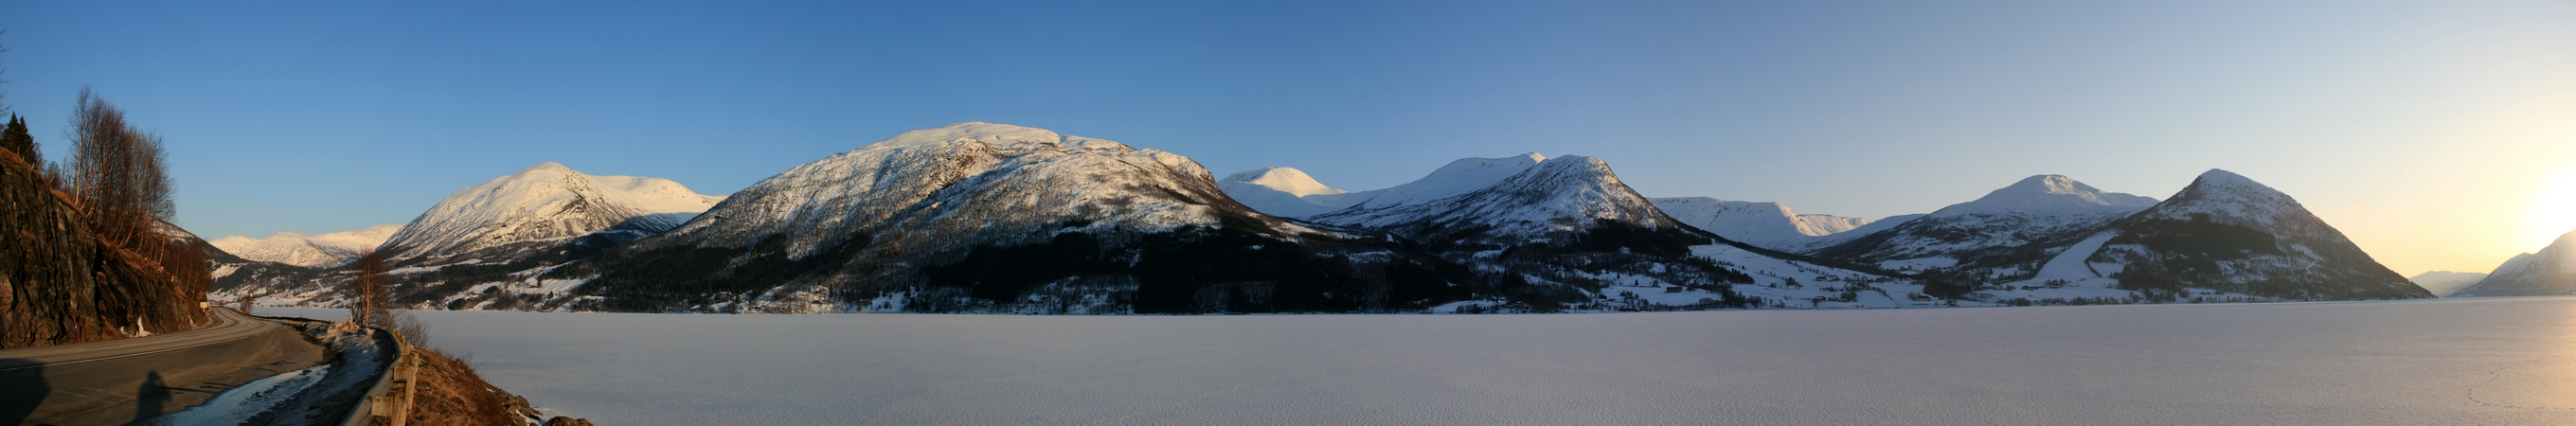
<point>1550,200</point>
<point>1993,233</point>
<point>981,217</point>
<point>1768,225</point>
<point>537,209</point>
<point>1285,192</point>
<point>1458,177</point>
<point>965,184</point>
<point>1278,186</point>
<point>312,251</point>
<point>2229,233</point>
<point>2551,271</point>
<point>2443,283</point>
<point>1829,224</point>
<point>1283,179</point>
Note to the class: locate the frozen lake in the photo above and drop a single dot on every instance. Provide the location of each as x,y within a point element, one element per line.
<point>2475,361</point>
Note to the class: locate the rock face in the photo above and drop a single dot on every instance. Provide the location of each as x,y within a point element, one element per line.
<point>60,284</point>
<point>980,217</point>
<point>2230,234</point>
<point>2552,271</point>
<point>1994,232</point>
<point>1768,225</point>
<point>311,251</point>
<point>540,210</point>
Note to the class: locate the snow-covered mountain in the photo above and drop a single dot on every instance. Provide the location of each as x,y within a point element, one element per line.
<point>1993,232</point>
<point>1767,225</point>
<point>2551,271</point>
<point>2230,235</point>
<point>981,217</point>
<point>311,251</point>
<point>540,209</point>
<point>2443,283</point>
<point>954,187</point>
<point>1277,187</point>
<point>1551,200</point>
<point>1285,192</point>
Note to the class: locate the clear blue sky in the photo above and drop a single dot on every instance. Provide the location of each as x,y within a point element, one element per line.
<point>2431,131</point>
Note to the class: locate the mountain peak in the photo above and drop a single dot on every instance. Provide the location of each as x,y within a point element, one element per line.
<point>1284,179</point>
<point>2229,197</point>
<point>1004,136</point>
<point>541,204</point>
<point>2048,194</point>
<point>2222,177</point>
<point>1458,177</point>
<point>1539,202</point>
<point>295,248</point>
<point>2053,184</point>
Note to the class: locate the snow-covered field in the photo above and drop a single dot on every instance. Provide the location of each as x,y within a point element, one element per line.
<point>2475,361</point>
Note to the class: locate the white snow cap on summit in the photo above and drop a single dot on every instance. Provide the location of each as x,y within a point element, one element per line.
<point>2234,199</point>
<point>2047,193</point>
<point>1002,136</point>
<point>1284,179</point>
<point>543,202</point>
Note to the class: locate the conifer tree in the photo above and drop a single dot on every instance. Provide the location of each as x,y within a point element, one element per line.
<point>15,138</point>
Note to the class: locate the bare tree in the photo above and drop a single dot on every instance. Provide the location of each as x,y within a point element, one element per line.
<point>373,304</point>
<point>118,178</point>
<point>367,293</point>
<point>190,277</point>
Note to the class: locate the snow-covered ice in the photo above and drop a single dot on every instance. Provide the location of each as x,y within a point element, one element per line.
<point>2467,361</point>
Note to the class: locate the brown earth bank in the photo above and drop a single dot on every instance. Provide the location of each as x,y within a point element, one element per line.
<point>452,394</point>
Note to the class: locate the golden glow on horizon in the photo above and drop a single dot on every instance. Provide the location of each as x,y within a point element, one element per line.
<point>2553,210</point>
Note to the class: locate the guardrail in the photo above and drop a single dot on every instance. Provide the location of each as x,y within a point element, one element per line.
<point>380,406</point>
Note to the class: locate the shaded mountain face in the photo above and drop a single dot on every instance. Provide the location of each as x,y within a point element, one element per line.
<point>311,251</point>
<point>2231,234</point>
<point>2444,283</point>
<point>1768,225</point>
<point>539,211</point>
<point>979,217</point>
<point>2549,272</point>
<point>1998,235</point>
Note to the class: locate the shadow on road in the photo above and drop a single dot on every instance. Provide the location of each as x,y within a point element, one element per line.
<point>22,388</point>
<point>149,398</point>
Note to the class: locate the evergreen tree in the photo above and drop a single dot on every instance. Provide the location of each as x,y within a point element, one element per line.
<point>16,139</point>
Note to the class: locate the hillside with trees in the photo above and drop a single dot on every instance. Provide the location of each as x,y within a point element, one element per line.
<point>84,257</point>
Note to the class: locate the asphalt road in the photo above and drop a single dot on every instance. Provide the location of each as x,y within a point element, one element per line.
<point>122,381</point>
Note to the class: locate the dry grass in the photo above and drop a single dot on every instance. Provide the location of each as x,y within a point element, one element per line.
<point>451,394</point>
